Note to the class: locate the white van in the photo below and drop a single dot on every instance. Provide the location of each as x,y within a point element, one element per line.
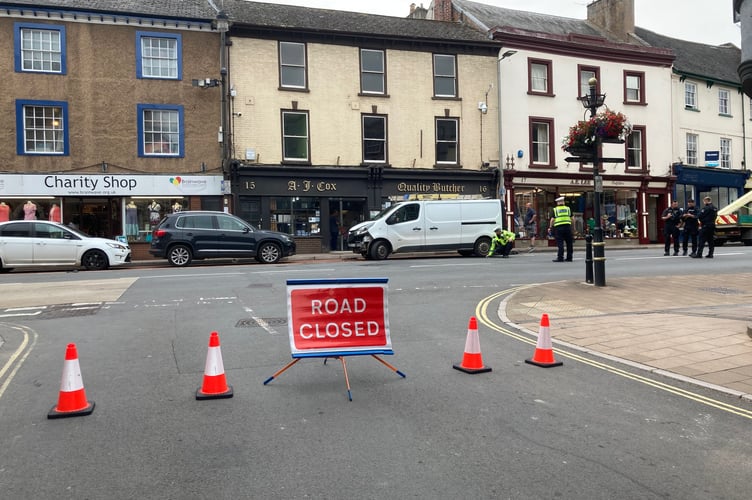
<point>427,226</point>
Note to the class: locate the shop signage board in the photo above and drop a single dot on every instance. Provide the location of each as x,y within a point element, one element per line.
<point>109,185</point>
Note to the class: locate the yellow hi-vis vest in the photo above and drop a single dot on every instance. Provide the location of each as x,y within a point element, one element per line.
<point>562,215</point>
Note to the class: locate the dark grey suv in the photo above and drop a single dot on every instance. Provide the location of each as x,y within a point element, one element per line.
<point>184,236</point>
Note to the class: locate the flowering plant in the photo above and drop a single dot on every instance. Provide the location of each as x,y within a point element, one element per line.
<point>605,125</point>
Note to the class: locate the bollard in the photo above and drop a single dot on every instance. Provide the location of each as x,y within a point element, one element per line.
<point>589,258</point>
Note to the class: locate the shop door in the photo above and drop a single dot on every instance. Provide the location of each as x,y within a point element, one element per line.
<point>95,216</point>
<point>652,218</point>
<point>344,214</point>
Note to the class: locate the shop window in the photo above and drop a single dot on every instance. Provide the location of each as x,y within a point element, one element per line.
<point>42,127</point>
<point>296,216</point>
<point>372,72</point>
<point>159,56</point>
<point>292,65</point>
<point>40,48</point>
<point>160,131</point>
<point>447,141</point>
<point>143,214</point>
<point>444,75</point>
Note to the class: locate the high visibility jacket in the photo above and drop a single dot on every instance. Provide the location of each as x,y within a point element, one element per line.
<point>501,240</point>
<point>562,215</point>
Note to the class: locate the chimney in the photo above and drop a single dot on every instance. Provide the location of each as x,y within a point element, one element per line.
<point>412,8</point>
<point>442,10</point>
<point>616,17</point>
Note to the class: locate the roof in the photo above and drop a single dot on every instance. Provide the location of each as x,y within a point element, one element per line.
<point>183,9</point>
<point>717,62</point>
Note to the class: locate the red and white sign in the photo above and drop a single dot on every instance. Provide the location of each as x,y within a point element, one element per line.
<point>338,317</point>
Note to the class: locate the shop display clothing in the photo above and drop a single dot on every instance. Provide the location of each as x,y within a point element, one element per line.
<point>4,212</point>
<point>55,213</point>
<point>30,211</point>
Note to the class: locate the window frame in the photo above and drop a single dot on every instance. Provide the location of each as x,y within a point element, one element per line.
<point>363,72</point>
<point>21,104</point>
<point>640,75</point>
<point>453,77</point>
<point>307,159</point>
<point>282,64</point>
<point>549,122</point>
<point>140,36</point>
<point>596,70</point>
<point>548,64</point>
<point>140,109</point>
<point>437,141</point>
<point>695,138</point>
<point>18,47</point>
<point>724,153</point>
<point>642,129</point>
<point>384,141</point>
<point>722,102</point>
<point>690,105</point>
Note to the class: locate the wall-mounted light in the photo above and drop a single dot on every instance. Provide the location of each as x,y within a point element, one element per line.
<point>206,83</point>
<point>483,107</point>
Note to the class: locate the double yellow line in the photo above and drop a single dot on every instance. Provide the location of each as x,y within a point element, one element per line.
<point>11,367</point>
<point>481,312</point>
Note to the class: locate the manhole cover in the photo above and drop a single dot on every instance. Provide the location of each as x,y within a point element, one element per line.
<point>723,291</point>
<point>253,323</point>
<point>70,311</point>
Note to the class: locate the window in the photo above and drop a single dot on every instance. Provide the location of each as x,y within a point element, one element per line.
<point>230,224</point>
<point>585,74</point>
<point>725,152</point>
<point>723,102</point>
<point>195,222</point>
<point>372,72</point>
<point>295,136</point>
<point>49,231</point>
<point>292,65</point>
<point>447,142</point>
<point>16,230</point>
<point>634,88</point>
<point>374,139</point>
<point>539,77</point>
<point>42,128</point>
<point>40,48</point>
<point>444,76</point>
<point>159,55</point>
<point>691,149</point>
<point>160,131</point>
<point>636,154</point>
<point>405,213</point>
<point>690,95</point>
<point>541,146</point>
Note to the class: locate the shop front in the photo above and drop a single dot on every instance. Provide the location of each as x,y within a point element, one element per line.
<point>317,205</point>
<point>724,186</point>
<point>108,206</point>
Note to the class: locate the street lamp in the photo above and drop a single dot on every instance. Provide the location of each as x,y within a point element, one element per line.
<point>592,102</point>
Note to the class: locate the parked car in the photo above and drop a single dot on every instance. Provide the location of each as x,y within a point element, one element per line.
<point>184,236</point>
<point>36,243</point>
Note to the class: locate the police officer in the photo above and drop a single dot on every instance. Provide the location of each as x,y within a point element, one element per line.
<point>707,228</point>
<point>690,227</point>
<point>561,224</point>
<point>501,243</point>
<point>671,218</point>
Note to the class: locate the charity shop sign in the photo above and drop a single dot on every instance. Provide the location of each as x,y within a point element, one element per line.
<point>338,317</point>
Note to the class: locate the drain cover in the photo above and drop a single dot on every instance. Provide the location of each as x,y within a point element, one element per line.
<point>253,323</point>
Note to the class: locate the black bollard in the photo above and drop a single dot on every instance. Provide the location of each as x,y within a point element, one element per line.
<point>589,258</point>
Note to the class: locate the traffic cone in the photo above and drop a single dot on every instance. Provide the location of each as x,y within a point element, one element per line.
<point>215,385</point>
<point>472,361</point>
<point>72,400</point>
<point>544,352</point>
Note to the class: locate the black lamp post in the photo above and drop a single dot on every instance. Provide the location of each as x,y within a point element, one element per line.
<point>592,102</point>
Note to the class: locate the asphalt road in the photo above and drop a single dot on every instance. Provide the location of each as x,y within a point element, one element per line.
<point>575,431</point>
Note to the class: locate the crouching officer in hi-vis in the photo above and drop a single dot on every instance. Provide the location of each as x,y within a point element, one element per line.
<point>501,243</point>
<point>561,223</point>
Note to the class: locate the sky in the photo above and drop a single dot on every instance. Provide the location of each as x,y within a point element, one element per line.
<point>703,21</point>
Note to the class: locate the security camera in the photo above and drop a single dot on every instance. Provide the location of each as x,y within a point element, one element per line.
<point>237,114</point>
<point>483,107</point>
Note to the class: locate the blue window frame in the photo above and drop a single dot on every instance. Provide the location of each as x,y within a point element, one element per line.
<point>159,55</point>
<point>39,48</point>
<point>42,128</point>
<point>161,131</point>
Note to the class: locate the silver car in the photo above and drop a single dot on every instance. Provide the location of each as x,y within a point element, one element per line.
<point>36,243</point>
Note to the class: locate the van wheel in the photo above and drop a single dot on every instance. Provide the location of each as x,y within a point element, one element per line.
<point>482,247</point>
<point>179,256</point>
<point>4,269</point>
<point>379,250</point>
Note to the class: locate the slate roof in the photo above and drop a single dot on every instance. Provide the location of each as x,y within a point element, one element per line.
<point>716,62</point>
<point>175,9</point>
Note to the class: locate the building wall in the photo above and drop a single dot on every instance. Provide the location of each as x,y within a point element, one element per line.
<point>335,107</point>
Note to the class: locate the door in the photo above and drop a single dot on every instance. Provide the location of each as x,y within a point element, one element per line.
<point>442,225</point>
<point>55,245</point>
<point>235,238</point>
<point>16,244</point>
<point>405,228</point>
<point>200,232</point>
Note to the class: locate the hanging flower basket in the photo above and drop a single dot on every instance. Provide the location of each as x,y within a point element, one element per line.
<point>606,126</point>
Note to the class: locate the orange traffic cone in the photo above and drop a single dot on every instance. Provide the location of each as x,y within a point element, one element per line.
<point>215,385</point>
<point>72,400</point>
<point>472,361</point>
<point>544,352</point>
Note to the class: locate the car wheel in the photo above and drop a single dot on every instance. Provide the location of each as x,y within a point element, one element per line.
<point>95,260</point>
<point>379,250</point>
<point>269,253</point>
<point>179,256</point>
<point>482,247</point>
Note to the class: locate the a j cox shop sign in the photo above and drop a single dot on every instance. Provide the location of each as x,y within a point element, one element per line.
<point>338,317</point>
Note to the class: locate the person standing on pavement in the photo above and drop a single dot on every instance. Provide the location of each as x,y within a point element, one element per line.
<point>671,218</point>
<point>707,228</point>
<point>531,225</point>
<point>690,227</point>
<point>561,224</point>
<point>501,243</point>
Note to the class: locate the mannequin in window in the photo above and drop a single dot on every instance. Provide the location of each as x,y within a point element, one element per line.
<point>177,207</point>
<point>131,219</point>
<point>54,213</point>
<point>4,212</point>
<point>30,210</point>
<point>154,209</point>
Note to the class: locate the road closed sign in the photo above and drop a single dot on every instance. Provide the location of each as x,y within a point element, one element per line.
<point>338,317</point>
